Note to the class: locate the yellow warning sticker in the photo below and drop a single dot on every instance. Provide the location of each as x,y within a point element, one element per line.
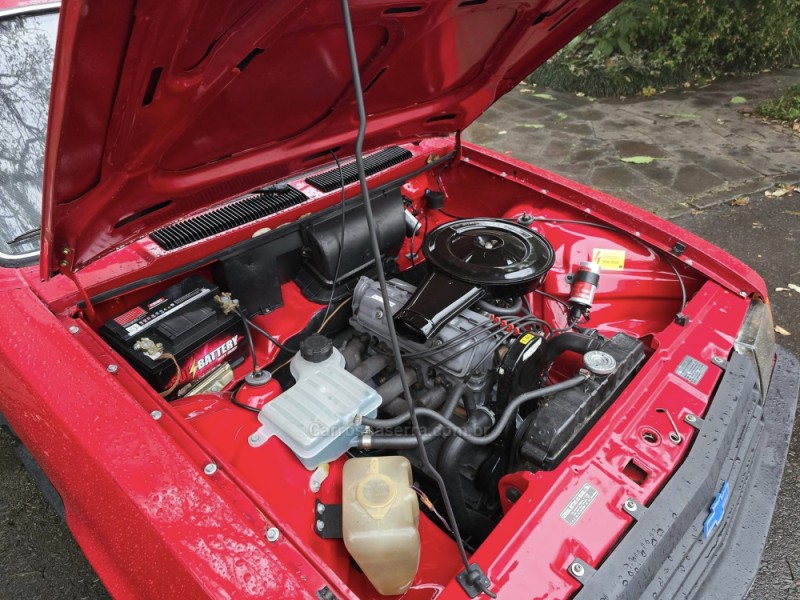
<point>526,338</point>
<point>608,259</point>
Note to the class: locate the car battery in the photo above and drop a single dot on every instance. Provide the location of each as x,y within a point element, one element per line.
<point>186,321</point>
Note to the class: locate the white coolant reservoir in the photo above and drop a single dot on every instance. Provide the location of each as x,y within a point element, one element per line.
<point>318,417</point>
<point>380,521</point>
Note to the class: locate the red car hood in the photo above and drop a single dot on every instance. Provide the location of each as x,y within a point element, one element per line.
<point>160,109</point>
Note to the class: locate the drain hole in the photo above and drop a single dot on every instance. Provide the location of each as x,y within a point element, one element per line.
<point>650,436</point>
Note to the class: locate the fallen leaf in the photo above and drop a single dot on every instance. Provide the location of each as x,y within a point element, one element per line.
<point>648,91</point>
<point>561,116</point>
<point>742,201</point>
<point>792,212</point>
<point>533,125</point>
<point>580,94</point>
<point>503,132</point>
<point>526,91</point>
<point>794,287</point>
<point>776,193</point>
<point>638,160</point>
<point>781,330</point>
<point>544,96</point>
<point>782,289</point>
<point>738,100</point>
<point>796,126</point>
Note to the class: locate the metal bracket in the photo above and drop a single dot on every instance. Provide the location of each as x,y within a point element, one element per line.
<point>634,508</point>
<point>693,420</point>
<point>720,362</point>
<point>475,582</point>
<point>328,521</point>
<point>581,570</point>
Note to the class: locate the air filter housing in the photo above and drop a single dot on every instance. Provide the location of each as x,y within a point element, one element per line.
<point>471,259</point>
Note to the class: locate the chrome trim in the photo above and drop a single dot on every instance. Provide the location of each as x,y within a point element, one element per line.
<point>30,9</point>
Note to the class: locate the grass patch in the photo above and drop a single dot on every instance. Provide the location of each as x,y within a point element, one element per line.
<point>785,108</point>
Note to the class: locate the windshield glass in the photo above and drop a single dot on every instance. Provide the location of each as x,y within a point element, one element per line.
<point>27,43</point>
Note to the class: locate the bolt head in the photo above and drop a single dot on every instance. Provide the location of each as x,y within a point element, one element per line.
<point>315,485</point>
<point>73,329</point>
<point>379,314</point>
<point>273,534</point>
<point>630,505</point>
<point>320,508</point>
<point>210,469</point>
<point>576,569</point>
<point>320,524</point>
<point>254,438</point>
<point>112,368</point>
<point>690,418</point>
<point>156,414</point>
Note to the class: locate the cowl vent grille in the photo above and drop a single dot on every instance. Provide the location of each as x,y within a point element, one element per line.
<point>246,209</point>
<point>375,163</point>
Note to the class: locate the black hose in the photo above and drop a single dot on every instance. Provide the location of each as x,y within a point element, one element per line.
<point>501,311</point>
<point>569,340</point>
<point>501,424</point>
<point>409,442</point>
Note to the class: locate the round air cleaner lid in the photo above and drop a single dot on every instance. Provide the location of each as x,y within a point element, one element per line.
<point>490,253</point>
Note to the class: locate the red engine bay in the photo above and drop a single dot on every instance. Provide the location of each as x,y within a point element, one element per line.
<point>526,510</point>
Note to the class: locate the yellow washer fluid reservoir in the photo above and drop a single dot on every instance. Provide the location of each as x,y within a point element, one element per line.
<point>319,416</point>
<point>380,521</point>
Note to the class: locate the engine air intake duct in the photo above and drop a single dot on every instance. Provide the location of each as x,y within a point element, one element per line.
<point>471,259</point>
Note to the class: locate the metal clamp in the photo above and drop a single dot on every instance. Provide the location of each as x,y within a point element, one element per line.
<point>581,570</point>
<point>634,508</point>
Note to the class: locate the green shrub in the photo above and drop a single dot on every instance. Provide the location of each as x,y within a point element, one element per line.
<point>642,44</point>
<point>785,107</point>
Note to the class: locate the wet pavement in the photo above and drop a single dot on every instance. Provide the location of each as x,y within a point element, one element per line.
<point>704,149</point>
<point>706,152</point>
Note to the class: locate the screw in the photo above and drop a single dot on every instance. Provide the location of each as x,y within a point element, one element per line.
<point>315,485</point>
<point>65,251</point>
<point>210,469</point>
<point>630,505</point>
<point>273,534</point>
<point>112,368</point>
<point>690,418</point>
<point>254,438</point>
<point>73,329</point>
<point>743,294</point>
<point>156,414</point>
<point>378,314</point>
<point>63,263</point>
<point>717,360</point>
<point>320,525</point>
<point>576,569</point>
<point>320,509</point>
